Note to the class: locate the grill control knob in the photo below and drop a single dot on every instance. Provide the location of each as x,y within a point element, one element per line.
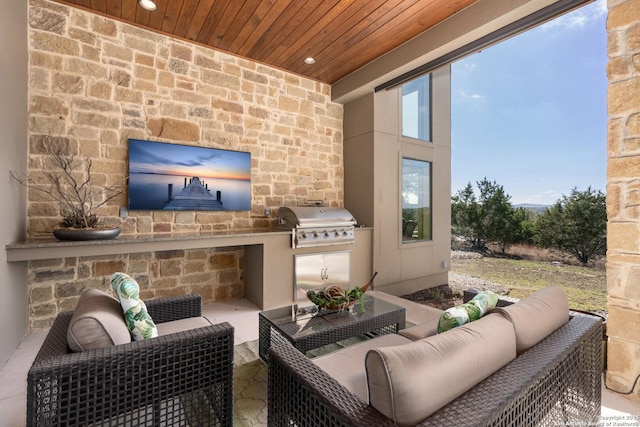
<point>315,235</point>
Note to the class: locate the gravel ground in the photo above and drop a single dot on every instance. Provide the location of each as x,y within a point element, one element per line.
<point>446,296</point>
<point>458,283</point>
<point>450,295</point>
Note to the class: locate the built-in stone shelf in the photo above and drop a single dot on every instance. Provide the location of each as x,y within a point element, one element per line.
<point>51,248</point>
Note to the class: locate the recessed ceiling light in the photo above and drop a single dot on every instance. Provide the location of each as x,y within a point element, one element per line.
<point>148,4</point>
<point>309,61</point>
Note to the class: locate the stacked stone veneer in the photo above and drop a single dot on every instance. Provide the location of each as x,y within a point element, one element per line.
<point>623,196</point>
<point>96,82</point>
<point>215,274</point>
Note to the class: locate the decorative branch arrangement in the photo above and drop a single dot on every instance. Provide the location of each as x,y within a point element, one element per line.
<point>69,183</point>
<point>336,298</point>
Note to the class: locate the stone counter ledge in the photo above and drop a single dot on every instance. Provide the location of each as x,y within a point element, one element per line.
<point>51,248</point>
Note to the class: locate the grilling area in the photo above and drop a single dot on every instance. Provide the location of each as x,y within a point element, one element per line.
<point>318,228</point>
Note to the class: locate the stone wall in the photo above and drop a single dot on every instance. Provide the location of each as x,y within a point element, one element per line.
<point>623,196</point>
<point>96,82</point>
<point>55,285</point>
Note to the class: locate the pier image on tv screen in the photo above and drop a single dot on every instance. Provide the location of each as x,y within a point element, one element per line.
<point>165,176</point>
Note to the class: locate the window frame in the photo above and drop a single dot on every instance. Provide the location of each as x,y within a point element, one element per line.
<point>401,205</point>
<point>425,95</point>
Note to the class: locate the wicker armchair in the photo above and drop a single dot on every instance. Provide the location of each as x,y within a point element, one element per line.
<point>555,382</point>
<point>184,378</point>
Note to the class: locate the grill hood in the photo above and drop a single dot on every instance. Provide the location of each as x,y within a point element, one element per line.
<point>317,226</point>
<point>312,216</point>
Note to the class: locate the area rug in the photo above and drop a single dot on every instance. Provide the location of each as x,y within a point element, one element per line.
<point>249,386</point>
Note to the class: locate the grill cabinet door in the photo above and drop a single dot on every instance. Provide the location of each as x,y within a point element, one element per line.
<point>316,271</point>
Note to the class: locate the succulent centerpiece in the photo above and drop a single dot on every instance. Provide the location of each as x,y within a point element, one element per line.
<point>334,297</point>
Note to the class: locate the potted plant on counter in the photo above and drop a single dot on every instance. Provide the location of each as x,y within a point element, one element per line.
<point>67,179</point>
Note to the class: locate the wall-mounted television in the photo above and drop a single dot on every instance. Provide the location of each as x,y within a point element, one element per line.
<point>178,177</point>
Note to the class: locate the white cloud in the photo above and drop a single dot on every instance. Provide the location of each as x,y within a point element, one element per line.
<point>470,65</point>
<point>579,18</point>
<point>475,96</point>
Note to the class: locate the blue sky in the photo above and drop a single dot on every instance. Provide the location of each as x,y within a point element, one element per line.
<point>530,113</point>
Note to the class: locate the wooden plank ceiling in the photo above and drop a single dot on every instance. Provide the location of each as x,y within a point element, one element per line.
<point>341,35</point>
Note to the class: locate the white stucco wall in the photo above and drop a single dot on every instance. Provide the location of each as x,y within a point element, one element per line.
<point>13,134</point>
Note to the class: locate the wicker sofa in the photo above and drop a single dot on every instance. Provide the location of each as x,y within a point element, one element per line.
<point>554,382</point>
<point>182,378</point>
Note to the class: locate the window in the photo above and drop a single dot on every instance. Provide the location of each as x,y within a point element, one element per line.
<point>416,108</point>
<point>416,200</point>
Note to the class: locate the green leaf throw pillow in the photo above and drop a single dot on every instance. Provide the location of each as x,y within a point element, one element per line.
<point>480,305</point>
<point>138,321</point>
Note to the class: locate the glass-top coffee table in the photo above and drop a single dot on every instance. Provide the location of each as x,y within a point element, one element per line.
<point>324,328</point>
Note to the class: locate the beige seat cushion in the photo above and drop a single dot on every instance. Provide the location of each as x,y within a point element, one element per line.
<point>408,383</point>
<point>347,365</point>
<point>537,316</point>
<point>97,322</point>
<point>174,326</point>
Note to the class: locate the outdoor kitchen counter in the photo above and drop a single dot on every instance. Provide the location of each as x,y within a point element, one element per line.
<point>51,248</point>
<point>269,257</point>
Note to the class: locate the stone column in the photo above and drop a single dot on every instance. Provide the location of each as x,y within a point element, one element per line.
<point>623,196</point>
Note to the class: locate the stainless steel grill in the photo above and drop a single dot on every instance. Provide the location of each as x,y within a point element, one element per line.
<point>317,226</point>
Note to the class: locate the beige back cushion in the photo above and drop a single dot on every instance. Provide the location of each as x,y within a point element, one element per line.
<point>97,322</point>
<point>408,383</point>
<point>428,327</point>
<point>537,316</point>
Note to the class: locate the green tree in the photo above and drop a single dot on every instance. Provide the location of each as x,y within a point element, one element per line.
<point>517,228</point>
<point>525,218</point>
<point>488,219</point>
<point>576,224</point>
<point>465,217</point>
<point>497,214</point>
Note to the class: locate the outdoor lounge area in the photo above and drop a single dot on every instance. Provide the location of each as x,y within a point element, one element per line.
<point>315,111</point>
<point>250,385</point>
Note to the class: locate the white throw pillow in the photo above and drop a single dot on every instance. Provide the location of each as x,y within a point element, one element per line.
<point>139,322</point>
